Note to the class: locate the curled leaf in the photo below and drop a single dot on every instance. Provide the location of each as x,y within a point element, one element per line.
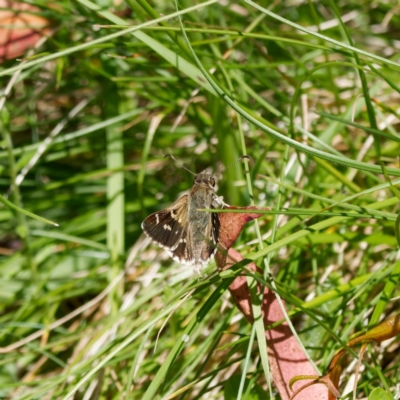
<point>387,329</point>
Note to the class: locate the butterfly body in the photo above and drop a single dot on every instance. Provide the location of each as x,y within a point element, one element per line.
<point>189,236</point>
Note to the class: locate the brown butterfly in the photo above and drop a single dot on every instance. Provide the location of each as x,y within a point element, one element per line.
<point>188,235</point>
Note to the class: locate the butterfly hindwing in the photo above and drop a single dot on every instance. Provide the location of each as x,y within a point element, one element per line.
<point>183,251</point>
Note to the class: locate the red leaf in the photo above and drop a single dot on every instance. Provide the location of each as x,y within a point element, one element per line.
<point>20,29</point>
<point>285,355</point>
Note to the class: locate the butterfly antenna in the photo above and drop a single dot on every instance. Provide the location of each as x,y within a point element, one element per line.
<point>230,165</point>
<point>179,163</point>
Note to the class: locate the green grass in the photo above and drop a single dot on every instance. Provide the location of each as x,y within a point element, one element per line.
<point>90,307</point>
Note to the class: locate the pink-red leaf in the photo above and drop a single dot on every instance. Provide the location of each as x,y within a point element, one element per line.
<point>285,355</point>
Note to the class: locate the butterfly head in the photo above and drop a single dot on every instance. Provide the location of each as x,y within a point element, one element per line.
<point>206,179</point>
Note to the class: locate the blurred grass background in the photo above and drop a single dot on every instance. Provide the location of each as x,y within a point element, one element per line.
<point>85,126</point>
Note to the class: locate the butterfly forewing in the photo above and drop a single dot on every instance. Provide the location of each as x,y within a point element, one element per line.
<point>167,226</point>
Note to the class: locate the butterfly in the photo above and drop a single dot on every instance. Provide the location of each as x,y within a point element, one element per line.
<point>188,235</point>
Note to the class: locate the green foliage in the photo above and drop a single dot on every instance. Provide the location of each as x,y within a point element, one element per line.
<point>379,394</point>
<point>251,391</point>
<point>308,89</point>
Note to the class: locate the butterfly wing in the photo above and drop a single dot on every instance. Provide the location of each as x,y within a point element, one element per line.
<point>166,227</point>
<point>171,229</point>
<point>215,227</point>
<point>211,237</point>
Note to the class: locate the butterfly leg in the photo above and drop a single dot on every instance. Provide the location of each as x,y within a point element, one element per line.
<point>219,201</point>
